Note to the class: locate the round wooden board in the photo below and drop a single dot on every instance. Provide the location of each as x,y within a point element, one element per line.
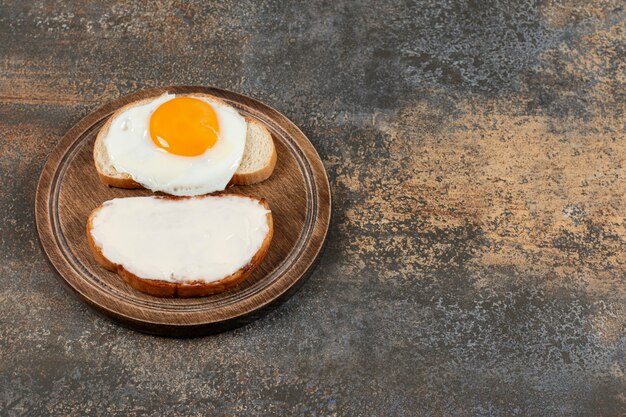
<point>297,192</point>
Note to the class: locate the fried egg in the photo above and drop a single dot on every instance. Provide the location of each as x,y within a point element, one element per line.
<point>180,145</point>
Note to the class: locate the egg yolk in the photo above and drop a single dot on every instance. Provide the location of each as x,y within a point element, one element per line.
<point>184,126</point>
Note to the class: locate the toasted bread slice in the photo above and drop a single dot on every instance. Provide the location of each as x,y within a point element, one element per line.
<point>259,156</point>
<point>257,164</point>
<point>181,288</point>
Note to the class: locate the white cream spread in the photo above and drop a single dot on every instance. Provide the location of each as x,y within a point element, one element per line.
<point>203,239</point>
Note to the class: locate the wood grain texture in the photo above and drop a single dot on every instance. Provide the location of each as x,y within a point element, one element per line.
<point>297,192</point>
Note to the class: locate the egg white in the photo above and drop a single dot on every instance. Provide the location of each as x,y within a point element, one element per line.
<point>132,151</point>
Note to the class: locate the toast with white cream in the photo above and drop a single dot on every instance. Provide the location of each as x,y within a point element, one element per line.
<point>181,246</point>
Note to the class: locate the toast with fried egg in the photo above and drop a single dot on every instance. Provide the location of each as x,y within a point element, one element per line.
<point>257,163</point>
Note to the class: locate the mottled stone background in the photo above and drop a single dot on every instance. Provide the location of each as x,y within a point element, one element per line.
<point>476,263</point>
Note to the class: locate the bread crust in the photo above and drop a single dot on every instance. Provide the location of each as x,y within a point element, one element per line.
<point>159,288</point>
<point>259,175</point>
<point>124,180</point>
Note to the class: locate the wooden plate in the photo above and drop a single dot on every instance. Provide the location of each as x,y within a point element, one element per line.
<point>298,193</point>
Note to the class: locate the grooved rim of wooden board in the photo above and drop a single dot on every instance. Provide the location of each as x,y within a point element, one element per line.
<point>61,208</point>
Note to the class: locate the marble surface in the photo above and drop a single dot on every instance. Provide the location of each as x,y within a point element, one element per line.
<point>476,260</point>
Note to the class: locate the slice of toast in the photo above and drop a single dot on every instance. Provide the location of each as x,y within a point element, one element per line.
<point>257,164</point>
<point>187,288</point>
